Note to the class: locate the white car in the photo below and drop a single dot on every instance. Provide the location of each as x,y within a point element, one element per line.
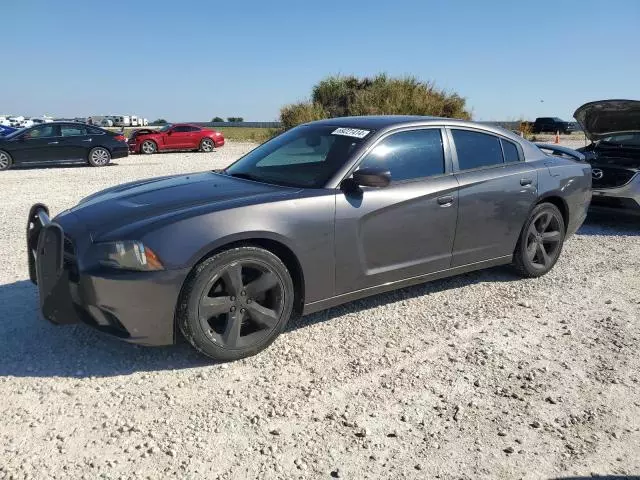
<point>4,121</point>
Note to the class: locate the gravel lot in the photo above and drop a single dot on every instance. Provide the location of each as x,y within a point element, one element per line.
<point>479,376</point>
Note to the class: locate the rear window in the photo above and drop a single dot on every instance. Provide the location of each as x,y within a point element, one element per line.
<point>510,150</point>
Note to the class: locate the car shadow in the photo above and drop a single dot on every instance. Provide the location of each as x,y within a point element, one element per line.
<point>610,225</point>
<point>74,165</point>
<point>33,347</point>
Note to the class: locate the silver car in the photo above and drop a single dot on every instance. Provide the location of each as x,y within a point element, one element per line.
<point>613,127</point>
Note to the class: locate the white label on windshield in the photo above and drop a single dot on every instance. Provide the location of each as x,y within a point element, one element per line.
<point>350,132</point>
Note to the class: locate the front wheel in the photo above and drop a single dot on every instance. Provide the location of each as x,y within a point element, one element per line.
<point>99,157</point>
<point>148,147</point>
<point>5,160</point>
<point>540,241</point>
<point>236,303</point>
<point>207,145</point>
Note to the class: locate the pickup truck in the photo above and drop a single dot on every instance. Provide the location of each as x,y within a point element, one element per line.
<point>552,125</point>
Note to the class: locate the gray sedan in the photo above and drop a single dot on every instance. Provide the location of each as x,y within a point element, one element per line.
<point>323,214</point>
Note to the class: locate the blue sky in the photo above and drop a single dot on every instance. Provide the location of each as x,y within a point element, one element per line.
<point>195,59</point>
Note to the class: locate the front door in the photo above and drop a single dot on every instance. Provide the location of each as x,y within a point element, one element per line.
<point>405,229</point>
<point>37,144</point>
<point>179,137</point>
<point>497,192</point>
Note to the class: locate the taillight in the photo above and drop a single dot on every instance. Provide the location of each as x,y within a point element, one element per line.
<point>120,138</point>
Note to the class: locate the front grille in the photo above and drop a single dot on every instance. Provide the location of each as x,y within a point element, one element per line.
<point>70,262</point>
<point>612,177</point>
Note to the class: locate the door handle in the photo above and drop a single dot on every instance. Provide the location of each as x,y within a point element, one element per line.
<point>526,181</point>
<point>88,140</point>
<point>52,143</point>
<point>445,201</point>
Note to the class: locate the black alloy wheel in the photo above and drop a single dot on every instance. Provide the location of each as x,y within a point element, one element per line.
<point>540,242</point>
<point>236,303</point>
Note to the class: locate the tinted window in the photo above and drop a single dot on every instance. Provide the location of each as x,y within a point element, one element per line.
<point>409,155</point>
<point>193,129</point>
<point>72,130</point>
<point>476,149</point>
<point>511,153</point>
<point>94,131</point>
<point>182,128</point>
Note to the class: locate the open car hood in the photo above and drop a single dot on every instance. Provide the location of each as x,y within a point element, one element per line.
<point>605,117</point>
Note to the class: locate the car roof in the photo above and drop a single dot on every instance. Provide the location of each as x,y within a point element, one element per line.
<point>375,122</point>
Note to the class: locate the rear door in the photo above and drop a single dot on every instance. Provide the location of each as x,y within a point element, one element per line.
<point>405,229</point>
<point>497,191</point>
<point>75,142</point>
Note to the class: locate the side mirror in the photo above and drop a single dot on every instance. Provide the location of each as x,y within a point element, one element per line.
<point>372,177</point>
<point>169,132</point>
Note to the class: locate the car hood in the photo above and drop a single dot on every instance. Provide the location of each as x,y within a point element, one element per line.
<point>165,198</point>
<point>602,118</point>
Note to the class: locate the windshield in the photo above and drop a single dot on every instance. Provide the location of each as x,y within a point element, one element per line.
<point>166,127</point>
<point>629,139</point>
<point>306,156</point>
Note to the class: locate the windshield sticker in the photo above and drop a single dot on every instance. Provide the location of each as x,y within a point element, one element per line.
<point>350,132</point>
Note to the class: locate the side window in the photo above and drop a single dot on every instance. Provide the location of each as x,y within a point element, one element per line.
<point>510,150</point>
<point>409,155</point>
<point>181,129</point>
<point>94,131</point>
<point>476,150</point>
<point>42,131</point>
<point>72,130</point>
<point>193,129</point>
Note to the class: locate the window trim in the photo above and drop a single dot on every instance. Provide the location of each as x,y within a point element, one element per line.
<point>454,151</point>
<point>448,167</point>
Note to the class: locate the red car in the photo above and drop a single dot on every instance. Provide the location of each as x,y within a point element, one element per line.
<point>178,136</point>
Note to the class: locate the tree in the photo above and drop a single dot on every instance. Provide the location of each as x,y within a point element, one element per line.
<point>160,121</point>
<point>235,119</point>
<point>338,96</point>
<point>217,119</point>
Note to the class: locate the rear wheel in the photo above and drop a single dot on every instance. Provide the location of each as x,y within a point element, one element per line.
<point>99,157</point>
<point>5,160</point>
<point>207,145</point>
<point>148,147</point>
<point>236,303</point>
<point>540,242</point>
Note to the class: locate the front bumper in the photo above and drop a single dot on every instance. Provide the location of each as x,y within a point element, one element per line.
<point>138,307</point>
<point>620,200</point>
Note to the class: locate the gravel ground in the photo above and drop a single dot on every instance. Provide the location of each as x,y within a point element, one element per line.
<point>484,375</point>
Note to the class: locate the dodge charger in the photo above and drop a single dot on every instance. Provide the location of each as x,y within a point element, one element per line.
<point>323,214</point>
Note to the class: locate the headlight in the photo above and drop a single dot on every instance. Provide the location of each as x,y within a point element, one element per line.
<point>128,255</point>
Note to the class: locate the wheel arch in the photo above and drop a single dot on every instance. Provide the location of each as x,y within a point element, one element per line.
<point>559,202</point>
<point>280,249</point>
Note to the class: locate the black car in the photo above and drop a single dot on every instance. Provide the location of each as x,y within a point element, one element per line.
<point>553,125</point>
<point>61,142</point>
<point>613,127</point>
<point>325,213</point>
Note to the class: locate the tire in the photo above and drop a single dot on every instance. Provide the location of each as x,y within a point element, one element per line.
<point>5,160</point>
<point>540,242</point>
<point>207,145</point>
<point>99,157</point>
<point>236,303</point>
<point>148,147</point>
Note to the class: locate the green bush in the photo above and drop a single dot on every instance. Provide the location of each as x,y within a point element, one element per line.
<point>160,121</point>
<point>235,119</point>
<point>338,96</point>
<point>217,119</point>
<point>298,113</point>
